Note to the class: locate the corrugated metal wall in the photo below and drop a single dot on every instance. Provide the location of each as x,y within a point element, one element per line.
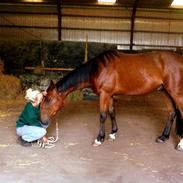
<point>161,29</point>
<point>18,22</point>
<point>106,25</point>
<point>27,26</point>
<point>153,28</point>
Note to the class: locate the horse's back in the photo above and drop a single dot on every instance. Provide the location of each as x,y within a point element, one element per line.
<point>133,74</point>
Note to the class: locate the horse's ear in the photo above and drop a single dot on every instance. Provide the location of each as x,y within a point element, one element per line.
<point>51,86</point>
<point>44,93</point>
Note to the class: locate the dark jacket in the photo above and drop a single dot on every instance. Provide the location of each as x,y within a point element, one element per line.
<point>30,116</point>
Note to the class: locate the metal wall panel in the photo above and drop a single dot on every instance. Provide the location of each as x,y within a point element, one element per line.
<point>29,8</point>
<point>155,25</point>
<point>153,28</point>
<point>29,20</point>
<point>158,29</point>
<point>117,37</point>
<point>7,33</point>
<point>176,26</point>
<point>96,23</point>
<point>160,14</point>
<point>159,39</point>
<point>97,11</point>
<point>106,25</point>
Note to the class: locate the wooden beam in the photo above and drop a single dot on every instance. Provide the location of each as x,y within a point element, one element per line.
<point>50,68</point>
<point>133,23</point>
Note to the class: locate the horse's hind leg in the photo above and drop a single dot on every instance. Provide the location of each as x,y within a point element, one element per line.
<point>179,130</point>
<point>172,114</point>
<point>112,115</point>
<point>166,131</point>
<point>179,121</point>
<point>178,108</point>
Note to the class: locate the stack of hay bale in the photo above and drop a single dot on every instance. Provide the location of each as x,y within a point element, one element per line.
<point>10,86</point>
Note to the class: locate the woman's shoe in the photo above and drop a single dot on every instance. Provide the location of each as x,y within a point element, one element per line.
<point>24,143</point>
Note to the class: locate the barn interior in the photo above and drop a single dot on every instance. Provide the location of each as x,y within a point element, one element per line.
<point>43,40</point>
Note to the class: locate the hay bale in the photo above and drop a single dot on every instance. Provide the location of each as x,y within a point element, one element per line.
<point>10,86</point>
<point>75,96</point>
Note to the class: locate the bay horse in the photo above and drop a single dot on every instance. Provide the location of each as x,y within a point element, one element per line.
<point>113,73</point>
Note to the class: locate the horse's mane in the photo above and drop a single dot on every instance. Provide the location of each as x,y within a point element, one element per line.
<point>82,73</point>
<point>74,78</point>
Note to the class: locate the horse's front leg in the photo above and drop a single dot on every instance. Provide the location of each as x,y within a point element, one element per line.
<point>101,135</point>
<point>104,107</point>
<point>112,135</point>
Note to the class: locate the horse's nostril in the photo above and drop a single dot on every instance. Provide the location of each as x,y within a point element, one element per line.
<point>45,124</point>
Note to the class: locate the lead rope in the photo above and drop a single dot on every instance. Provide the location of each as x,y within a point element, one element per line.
<point>50,141</point>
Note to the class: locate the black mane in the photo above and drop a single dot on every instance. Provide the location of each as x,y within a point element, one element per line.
<point>79,75</point>
<point>82,73</point>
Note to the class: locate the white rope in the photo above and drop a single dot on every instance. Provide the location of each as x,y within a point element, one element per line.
<point>50,141</point>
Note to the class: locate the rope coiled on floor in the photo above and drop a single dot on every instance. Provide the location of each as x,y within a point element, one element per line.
<point>50,141</point>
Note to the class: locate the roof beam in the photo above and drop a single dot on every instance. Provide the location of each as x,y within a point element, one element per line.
<point>133,22</point>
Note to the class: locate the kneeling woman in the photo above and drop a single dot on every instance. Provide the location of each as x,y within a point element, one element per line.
<point>28,125</point>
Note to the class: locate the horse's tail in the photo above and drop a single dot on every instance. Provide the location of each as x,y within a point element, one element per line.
<point>179,123</point>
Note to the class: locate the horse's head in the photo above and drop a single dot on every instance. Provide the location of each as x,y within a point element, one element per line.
<point>51,104</point>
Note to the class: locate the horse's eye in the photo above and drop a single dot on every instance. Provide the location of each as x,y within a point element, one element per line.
<point>47,100</point>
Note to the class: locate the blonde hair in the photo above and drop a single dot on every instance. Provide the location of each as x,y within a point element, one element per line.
<point>33,95</point>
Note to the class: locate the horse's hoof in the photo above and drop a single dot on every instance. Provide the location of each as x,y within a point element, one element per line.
<point>179,148</point>
<point>112,137</point>
<point>96,143</point>
<point>160,141</point>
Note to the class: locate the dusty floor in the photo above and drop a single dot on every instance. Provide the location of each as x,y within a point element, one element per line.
<point>133,158</point>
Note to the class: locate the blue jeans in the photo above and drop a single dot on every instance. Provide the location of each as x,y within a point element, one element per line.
<point>30,133</point>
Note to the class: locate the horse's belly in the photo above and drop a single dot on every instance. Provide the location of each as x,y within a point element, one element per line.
<point>136,87</point>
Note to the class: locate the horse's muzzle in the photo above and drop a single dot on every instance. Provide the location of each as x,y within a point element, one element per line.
<point>45,124</point>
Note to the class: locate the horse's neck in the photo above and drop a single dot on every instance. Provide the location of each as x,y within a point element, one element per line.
<point>75,80</point>
<point>72,89</point>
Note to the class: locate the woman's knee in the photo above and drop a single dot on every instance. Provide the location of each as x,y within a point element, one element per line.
<point>19,131</point>
<point>43,131</point>
<point>38,133</point>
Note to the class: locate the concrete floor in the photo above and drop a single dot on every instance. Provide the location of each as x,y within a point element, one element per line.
<point>133,157</point>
